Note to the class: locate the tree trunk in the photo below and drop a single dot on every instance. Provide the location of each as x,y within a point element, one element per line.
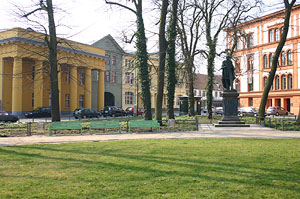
<point>263,102</point>
<point>210,74</point>
<point>52,44</point>
<point>190,75</point>
<point>142,62</point>
<point>171,63</point>
<point>162,57</point>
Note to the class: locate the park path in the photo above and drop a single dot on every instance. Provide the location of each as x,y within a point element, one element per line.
<point>205,131</point>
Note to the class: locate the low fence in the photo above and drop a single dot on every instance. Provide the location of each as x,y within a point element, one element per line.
<point>284,123</point>
<point>42,128</point>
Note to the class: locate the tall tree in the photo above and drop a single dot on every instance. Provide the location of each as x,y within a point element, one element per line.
<point>240,14</point>
<point>288,9</point>
<point>51,41</point>
<point>215,20</point>
<point>190,32</point>
<point>170,60</point>
<point>162,58</point>
<point>141,54</point>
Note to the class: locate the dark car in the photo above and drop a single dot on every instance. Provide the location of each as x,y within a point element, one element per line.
<point>6,117</point>
<point>130,111</point>
<point>276,110</point>
<point>85,113</point>
<point>247,111</point>
<point>39,112</point>
<point>113,111</point>
<point>219,110</point>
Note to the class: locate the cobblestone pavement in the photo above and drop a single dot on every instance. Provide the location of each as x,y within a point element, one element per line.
<point>205,131</point>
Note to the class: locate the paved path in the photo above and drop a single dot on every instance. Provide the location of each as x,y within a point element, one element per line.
<point>205,131</point>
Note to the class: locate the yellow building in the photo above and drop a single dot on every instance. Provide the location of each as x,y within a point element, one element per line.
<point>130,88</point>
<point>25,73</point>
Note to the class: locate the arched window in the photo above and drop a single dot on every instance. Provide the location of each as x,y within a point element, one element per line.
<point>237,66</point>
<point>238,85</point>
<point>283,59</point>
<point>250,63</point>
<point>270,59</point>
<point>250,41</point>
<point>276,34</point>
<point>283,82</point>
<point>250,73</point>
<point>290,57</point>
<point>290,81</point>
<point>277,82</point>
<point>271,36</point>
<point>265,61</point>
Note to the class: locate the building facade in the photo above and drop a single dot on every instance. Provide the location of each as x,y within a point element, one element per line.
<point>253,58</point>
<point>113,72</point>
<point>25,73</point>
<point>200,90</point>
<point>131,90</point>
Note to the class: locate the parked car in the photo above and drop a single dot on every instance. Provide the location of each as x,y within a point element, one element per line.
<point>247,111</point>
<point>276,110</point>
<point>130,111</point>
<point>39,112</point>
<point>219,110</point>
<point>85,113</point>
<point>113,111</point>
<point>6,117</point>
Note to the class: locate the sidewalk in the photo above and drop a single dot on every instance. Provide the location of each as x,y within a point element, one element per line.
<point>205,131</point>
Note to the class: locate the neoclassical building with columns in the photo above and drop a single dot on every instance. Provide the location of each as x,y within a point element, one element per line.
<point>25,73</point>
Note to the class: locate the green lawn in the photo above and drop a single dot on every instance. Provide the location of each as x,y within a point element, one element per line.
<point>204,168</point>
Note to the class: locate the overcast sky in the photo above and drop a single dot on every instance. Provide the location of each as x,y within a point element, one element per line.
<point>84,21</point>
<point>87,21</point>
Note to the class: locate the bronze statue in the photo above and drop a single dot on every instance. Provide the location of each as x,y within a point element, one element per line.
<point>228,74</point>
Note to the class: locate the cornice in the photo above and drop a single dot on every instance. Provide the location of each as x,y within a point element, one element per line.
<point>42,44</point>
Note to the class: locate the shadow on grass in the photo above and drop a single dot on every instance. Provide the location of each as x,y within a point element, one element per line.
<point>198,168</point>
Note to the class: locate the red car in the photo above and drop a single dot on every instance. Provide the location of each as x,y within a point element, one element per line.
<point>130,111</point>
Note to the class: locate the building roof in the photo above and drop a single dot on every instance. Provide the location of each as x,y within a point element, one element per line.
<point>201,80</point>
<point>100,43</point>
<point>268,16</point>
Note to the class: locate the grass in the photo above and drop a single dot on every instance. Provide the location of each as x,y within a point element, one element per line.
<point>206,168</point>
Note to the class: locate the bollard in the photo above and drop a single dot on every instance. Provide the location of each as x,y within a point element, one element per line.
<point>28,129</point>
<point>197,124</point>
<point>282,123</point>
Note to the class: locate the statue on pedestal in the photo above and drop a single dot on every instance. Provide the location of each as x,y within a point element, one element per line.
<point>228,74</point>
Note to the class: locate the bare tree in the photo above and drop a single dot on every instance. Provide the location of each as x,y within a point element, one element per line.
<point>190,32</point>
<point>141,54</point>
<point>288,9</point>
<point>162,58</point>
<point>51,41</point>
<point>215,15</point>
<point>170,60</point>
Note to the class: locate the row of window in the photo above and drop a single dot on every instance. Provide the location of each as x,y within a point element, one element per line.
<point>111,60</point>
<point>282,82</point>
<point>67,100</point>
<point>274,35</point>
<point>129,63</point>
<point>246,42</point>
<point>285,59</point>
<point>110,76</point>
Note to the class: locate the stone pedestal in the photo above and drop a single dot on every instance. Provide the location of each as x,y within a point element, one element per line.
<point>230,111</point>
